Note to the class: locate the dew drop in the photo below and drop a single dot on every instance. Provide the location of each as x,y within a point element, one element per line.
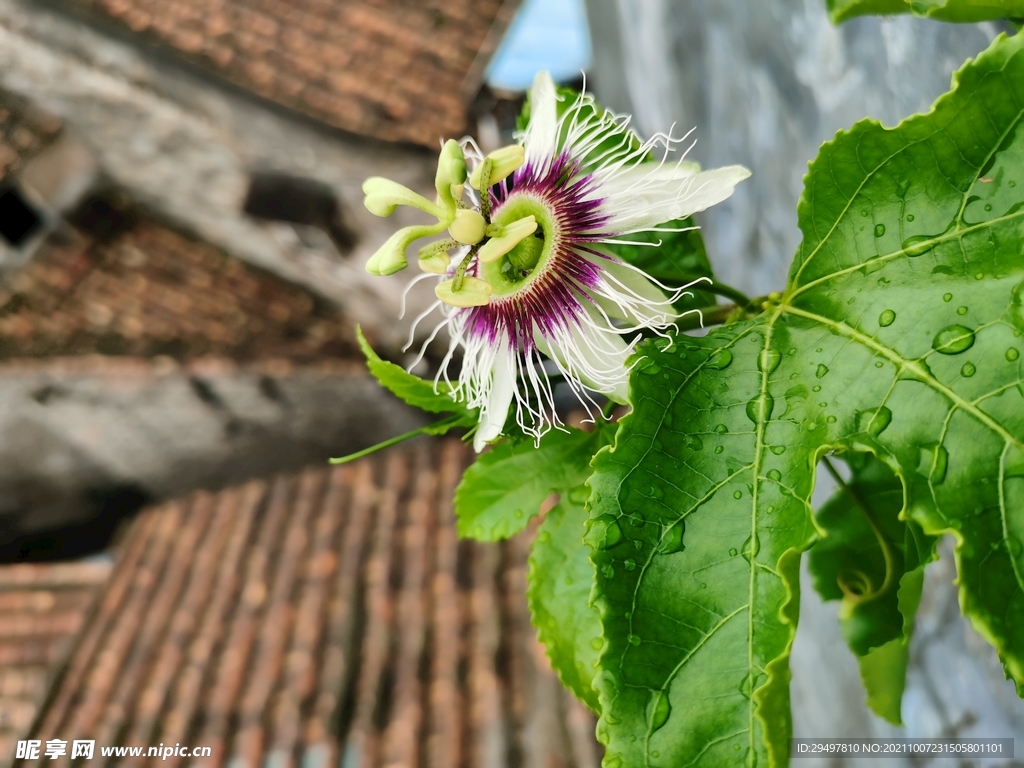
<point>961,310</point>
<point>947,296</point>
<point>830,419</point>
<point>721,429</point>
<point>792,351</point>
<point>820,372</point>
<point>874,420</point>
<point>719,449</point>
<point>733,552</point>
<point>629,564</point>
<point>886,318</point>
<point>607,571</point>
<point>823,405</point>
<point>979,276</point>
<point>751,547</point>
<point>768,360</point>
<point>910,217</point>
<point>1012,354</point>
<point>720,360</point>
<point>603,532</point>
<point>968,370</point>
<point>933,460</point>
<point>634,640</point>
<point>793,375</point>
<point>760,406</point>
<point>658,711</point>
<point>864,213</point>
<point>703,585</point>
<point>953,340</point>
<point>672,541</point>
<point>597,643</point>
<point>1011,183</point>
<point>655,753</point>
<point>879,364</point>
<point>879,230</point>
<point>778,450</point>
<point>737,494</point>
<point>988,206</point>
<point>816,388</point>
<point>918,245</point>
<point>774,474</point>
<point>818,350</point>
<point>694,443</point>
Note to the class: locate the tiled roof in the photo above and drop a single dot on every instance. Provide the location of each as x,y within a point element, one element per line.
<point>42,608</point>
<point>153,291</point>
<point>322,619</point>
<point>392,69</point>
<point>24,132</point>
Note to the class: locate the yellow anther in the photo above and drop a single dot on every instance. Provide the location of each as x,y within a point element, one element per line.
<point>513,234</point>
<point>504,162</point>
<point>469,226</point>
<point>473,293</point>
<point>384,195</point>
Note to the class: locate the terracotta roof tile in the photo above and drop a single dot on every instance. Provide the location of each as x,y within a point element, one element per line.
<point>25,131</point>
<point>152,291</point>
<point>329,617</point>
<point>43,607</point>
<point>267,46</point>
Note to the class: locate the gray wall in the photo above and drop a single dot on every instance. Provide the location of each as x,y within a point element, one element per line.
<point>765,82</point>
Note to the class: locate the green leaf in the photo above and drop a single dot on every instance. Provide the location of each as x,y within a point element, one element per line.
<point>678,260</point>
<point>874,562</point>
<point>942,10</point>
<point>503,490</point>
<point>412,389</point>
<point>560,578</point>
<point>899,333</point>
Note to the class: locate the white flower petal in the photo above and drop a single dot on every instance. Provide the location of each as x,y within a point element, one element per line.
<point>647,195</point>
<point>592,353</point>
<point>541,139</point>
<point>494,412</point>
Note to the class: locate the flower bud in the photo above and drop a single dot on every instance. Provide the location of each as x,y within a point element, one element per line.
<point>512,235</point>
<point>474,292</point>
<point>469,226</point>
<point>504,162</point>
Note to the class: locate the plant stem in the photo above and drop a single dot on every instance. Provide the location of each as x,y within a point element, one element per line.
<point>438,427</point>
<point>713,316</point>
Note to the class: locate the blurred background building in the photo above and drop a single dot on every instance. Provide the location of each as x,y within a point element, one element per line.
<point>182,244</point>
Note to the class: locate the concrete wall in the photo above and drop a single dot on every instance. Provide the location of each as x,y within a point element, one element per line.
<point>765,83</point>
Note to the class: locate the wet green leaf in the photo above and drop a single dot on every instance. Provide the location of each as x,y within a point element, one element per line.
<point>943,10</point>
<point>911,234</point>
<point>874,562</point>
<point>504,488</point>
<point>560,578</point>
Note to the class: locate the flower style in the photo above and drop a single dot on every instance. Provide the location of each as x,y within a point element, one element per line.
<point>531,278</point>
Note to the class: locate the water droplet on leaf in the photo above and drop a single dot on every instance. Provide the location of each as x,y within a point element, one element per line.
<point>634,640</point>
<point>953,340</point>
<point>737,494</point>
<point>961,310</point>
<point>603,532</point>
<point>658,710</point>
<point>874,420</point>
<point>918,245</point>
<point>774,474</point>
<point>629,564</point>
<point>886,318</point>
<point>968,370</point>
<point>879,230</point>
<point>1012,354</point>
<point>768,360</point>
<point>719,449</point>
<point>672,541</point>
<point>760,407</point>
<point>910,217</point>
<point>721,429</point>
<point>778,450</point>
<point>607,571</point>
<point>733,552</point>
<point>947,296</point>
<point>932,462</point>
<point>720,360</point>
<point>821,371</point>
